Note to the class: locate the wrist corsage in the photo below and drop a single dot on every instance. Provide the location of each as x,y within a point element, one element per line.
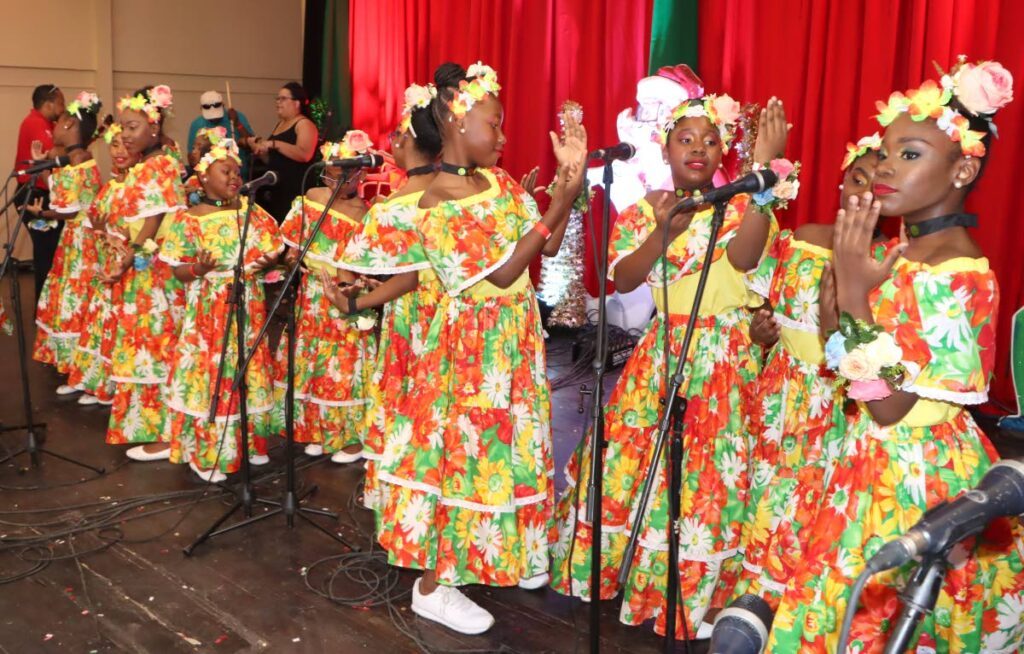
<point>867,358</point>
<point>144,253</point>
<point>786,189</point>
<point>42,224</point>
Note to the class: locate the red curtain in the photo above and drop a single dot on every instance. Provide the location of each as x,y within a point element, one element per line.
<point>830,61</point>
<point>591,51</point>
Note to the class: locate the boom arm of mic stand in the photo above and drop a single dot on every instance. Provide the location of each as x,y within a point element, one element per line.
<point>9,246</point>
<point>288,280</point>
<point>672,420</point>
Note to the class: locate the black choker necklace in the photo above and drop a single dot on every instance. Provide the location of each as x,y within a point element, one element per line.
<point>215,203</point>
<point>72,148</point>
<point>421,170</point>
<point>940,223</point>
<point>151,149</point>
<point>452,169</point>
<point>683,193</point>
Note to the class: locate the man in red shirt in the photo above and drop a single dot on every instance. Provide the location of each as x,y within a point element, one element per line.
<point>47,106</point>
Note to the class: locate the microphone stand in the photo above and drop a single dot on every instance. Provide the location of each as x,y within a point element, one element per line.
<point>595,489</point>
<point>290,505</point>
<point>34,443</point>
<point>672,422</point>
<point>919,597</point>
<point>246,496</point>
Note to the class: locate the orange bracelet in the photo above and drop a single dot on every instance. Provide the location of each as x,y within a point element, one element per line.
<point>542,229</point>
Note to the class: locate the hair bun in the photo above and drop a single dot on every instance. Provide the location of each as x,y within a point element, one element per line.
<point>448,75</point>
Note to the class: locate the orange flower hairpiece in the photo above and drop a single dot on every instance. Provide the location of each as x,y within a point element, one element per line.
<point>721,110</point>
<point>416,97</point>
<point>226,149</point>
<point>980,89</point>
<point>152,102</point>
<point>855,151</point>
<point>354,143</point>
<point>480,80</point>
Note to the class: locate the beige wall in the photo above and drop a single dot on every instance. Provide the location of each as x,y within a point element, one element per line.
<point>116,46</point>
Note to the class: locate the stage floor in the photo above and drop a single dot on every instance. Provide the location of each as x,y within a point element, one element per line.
<point>243,591</point>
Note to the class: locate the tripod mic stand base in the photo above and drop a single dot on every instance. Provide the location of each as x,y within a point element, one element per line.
<point>34,449</point>
<point>290,506</point>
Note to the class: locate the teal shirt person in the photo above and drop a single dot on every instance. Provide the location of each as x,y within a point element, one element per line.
<point>214,115</point>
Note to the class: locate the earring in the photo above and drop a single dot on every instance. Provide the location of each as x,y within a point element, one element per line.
<point>462,130</point>
<point>957,185</point>
<point>840,187</point>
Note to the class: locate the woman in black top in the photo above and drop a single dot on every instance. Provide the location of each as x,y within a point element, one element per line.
<point>289,149</point>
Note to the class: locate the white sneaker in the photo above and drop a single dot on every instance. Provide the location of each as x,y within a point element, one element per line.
<point>139,453</point>
<point>210,476</point>
<point>314,449</point>
<point>64,389</point>
<point>87,399</point>
<point>105,402</point>
<point>535,582</point>
<point>341,456</point>
<point>449,607</point>
<point>259,459</point>
<point>704,631</point>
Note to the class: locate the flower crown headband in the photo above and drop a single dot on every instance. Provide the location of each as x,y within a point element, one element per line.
<point>226,149</point>
<point>480,80</point>
<point>721,110</point>
<point>213,134</point>
<point>980,89</point>
<point>150,102</point>
<point>111,132</point>
<point>86,101</point>
<point>855,151</point>
<point>416,97</point>
<point>355,143</point>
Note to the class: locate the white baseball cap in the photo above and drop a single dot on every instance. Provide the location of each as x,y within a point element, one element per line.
<point>212,104</point>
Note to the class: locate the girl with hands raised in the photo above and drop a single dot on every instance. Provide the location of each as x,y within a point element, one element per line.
<point>649,244</point>
<point>202,245</point>
<point>915,345</point>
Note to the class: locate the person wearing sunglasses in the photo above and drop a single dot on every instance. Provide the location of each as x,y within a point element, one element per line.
<point>216,114</point>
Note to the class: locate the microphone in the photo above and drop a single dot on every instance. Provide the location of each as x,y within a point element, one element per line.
<point>40,166</point>
<point>268,178</point>
<point>368,160</point>
<point>742,627</point>
<point>618,152</point>
<point>754,182</point>
<point>1000,493</point>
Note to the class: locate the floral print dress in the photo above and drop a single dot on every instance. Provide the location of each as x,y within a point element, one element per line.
<point>334,352</point>
<point>147,307</point>
<point>466,473</point>
<point>195,361</point>
<point>944,319</point>
<point>716,440</point>
<point>386,244</point>
<point>90,370</point>
<point>66,291</point>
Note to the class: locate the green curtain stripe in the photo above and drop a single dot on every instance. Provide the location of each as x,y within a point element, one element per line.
<point>336,80</point>
<point>673,34</point>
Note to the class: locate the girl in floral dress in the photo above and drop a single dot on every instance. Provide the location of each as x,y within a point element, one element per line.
<point>385,244</point>
<point>202,246</point>
<point>90,371</point>
<point>467,461</point>
<point>799,414</point>
<point>145,313</point>
<point>72,189</point>
<point>912,444</point>
<point>334,352</point>
<point>716,443</point>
